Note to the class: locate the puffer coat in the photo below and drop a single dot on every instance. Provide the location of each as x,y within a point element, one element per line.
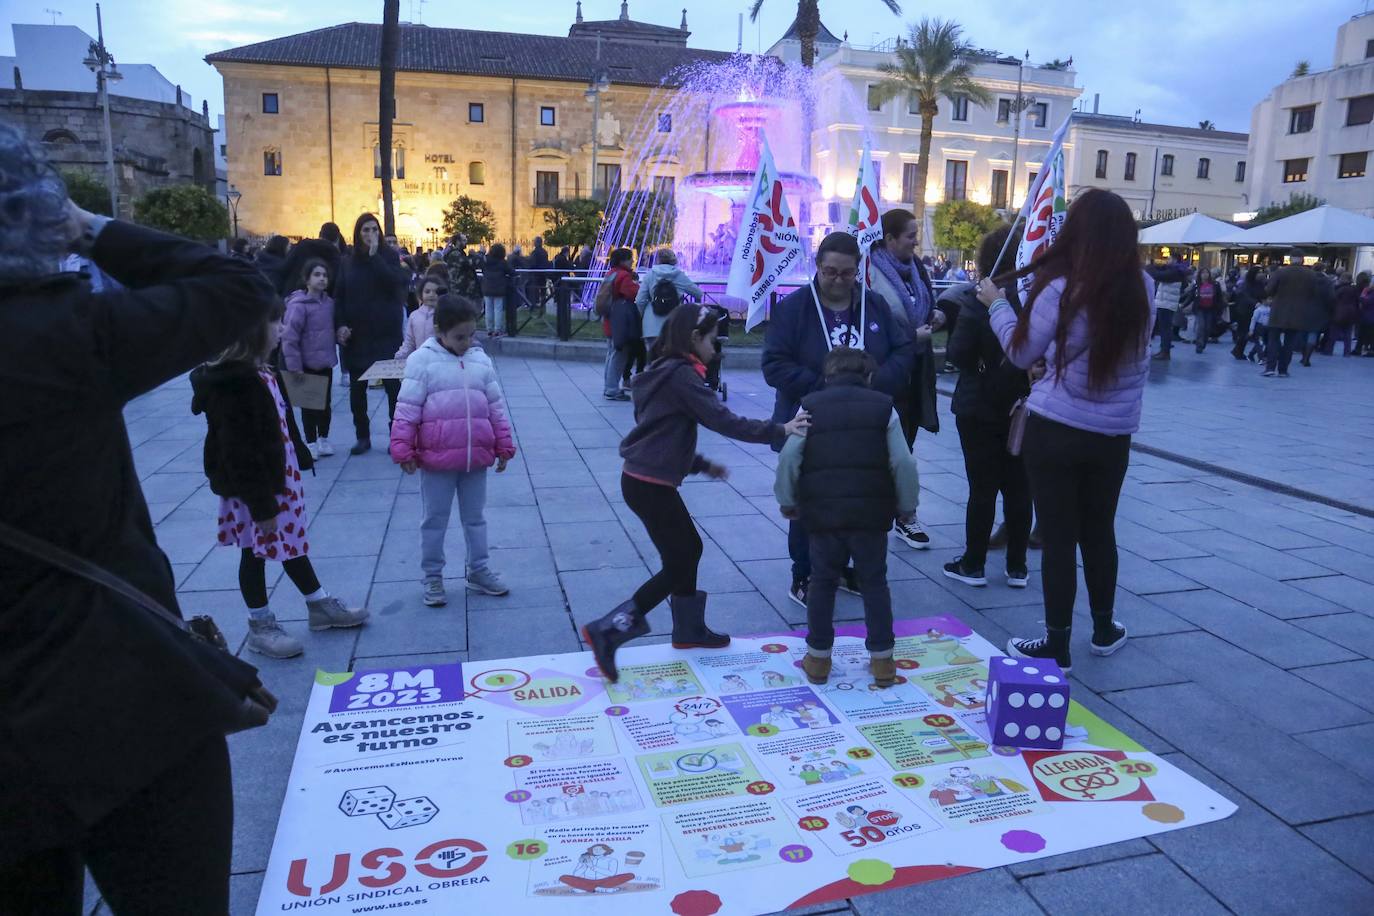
<point>307,334</point>
<point>451,415</point>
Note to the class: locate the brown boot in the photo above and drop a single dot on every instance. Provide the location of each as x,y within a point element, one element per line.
<point>1163,356</point>
<point>816,668</point>
<point>884,671</point>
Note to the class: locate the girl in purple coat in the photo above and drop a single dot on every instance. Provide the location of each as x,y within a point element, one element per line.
<point>308,346</point>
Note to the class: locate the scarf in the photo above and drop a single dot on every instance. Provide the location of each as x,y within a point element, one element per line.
<point>904,277</point>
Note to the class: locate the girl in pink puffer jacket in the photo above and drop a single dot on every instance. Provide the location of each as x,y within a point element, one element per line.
<point>451,424</point>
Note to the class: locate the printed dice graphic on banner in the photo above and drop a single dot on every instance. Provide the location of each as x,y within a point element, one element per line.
<point>372,800</point>
<point>409,812</point>
<point>1027,703</point>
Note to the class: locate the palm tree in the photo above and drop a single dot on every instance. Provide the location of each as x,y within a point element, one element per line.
<point>391,39</point>
<point>934,62</point>
<point>1058,64</point>
<point>1206,125</point>
<point>809,24</point>
<point>1301,68</point>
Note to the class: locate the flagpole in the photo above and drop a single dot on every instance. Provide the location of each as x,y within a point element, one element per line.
<point>1056,147</point>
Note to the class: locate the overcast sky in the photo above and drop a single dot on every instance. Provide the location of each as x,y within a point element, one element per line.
<point>1178,61</point>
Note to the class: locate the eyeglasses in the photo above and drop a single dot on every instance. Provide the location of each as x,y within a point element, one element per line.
<point>830,273</point>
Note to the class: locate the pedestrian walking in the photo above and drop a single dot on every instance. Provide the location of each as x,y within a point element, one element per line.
<point>1298,308</point>
<point>308,347</point>
<point>498,276</point>
<point>1246,295</point>
<point>1169,279</point>
<point>615,306</point>
<point>451,425</point>
<point>1088,315</point>
<point>671,400</point>
<point>660,292</point>
<point>254,457</point>
<point>1207,300</point>
<point>845,480</point>
<point>369,312</point>
<point>1345,314</point>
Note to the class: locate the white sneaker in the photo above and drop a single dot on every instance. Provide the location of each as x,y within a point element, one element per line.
<point>314,449</point>
<point>325,448</point>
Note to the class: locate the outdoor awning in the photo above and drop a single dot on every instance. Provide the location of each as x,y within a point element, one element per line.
<point>1193,229</point>
<point>1319,226</point>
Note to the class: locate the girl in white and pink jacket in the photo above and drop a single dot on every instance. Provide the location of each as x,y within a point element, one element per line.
<point>451,424</point>
<point>420,323</point>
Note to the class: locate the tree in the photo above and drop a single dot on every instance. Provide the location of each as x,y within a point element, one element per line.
<point>87,191</point>
<point>572,222</point>
<point>961,225</point>
<point>472,217</point>
<point>391,39</point>
<point>934,63</point>
<point>647,219</point>
<point>1058,64</point>
<point>809,24</point>
<point>1206,125</point>
<point>1301,68</point>
<point>185,209</point>
<point>1296,203</point>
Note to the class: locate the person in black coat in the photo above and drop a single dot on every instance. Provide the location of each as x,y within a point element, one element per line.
<point>329,247</point>
<point>498,278</point>
<point>369,312</point>
<point>272,259</point>
<point>833,310</point>
<point>110,739</point>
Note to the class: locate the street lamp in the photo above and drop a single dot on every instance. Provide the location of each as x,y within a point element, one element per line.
<point>101,62</point>
<point>231,197</point>
<point>1016,132</point>
<point>599,84</point>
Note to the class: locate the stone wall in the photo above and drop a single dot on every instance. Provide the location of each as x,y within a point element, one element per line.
<point>155,144</point>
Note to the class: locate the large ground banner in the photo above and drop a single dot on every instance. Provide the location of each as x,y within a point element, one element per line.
<point>704,782</point>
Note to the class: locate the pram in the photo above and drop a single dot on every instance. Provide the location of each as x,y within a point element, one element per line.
<point>713,379</point>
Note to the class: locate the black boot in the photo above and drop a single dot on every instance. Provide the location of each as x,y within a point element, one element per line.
<point>606,634</point>
<point>689,624</point>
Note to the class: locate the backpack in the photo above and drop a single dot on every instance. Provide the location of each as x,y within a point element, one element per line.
<point>665,297</point>
<point>605,295</point>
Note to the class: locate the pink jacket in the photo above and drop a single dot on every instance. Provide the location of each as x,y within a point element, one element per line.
<point>419,328</point>
<point>451,415</point>
<point>307,333</point>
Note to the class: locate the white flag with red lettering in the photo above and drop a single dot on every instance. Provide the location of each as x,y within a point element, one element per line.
<point>1045,207</point>
<point>769,243</point>
<point>865,216</point>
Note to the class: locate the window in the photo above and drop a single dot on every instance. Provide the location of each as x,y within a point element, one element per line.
<point>874,102</point>
<point>1101,163</point>
<point>1130,167</point>
<point>958,108</point>
<point>1003,111</point>
<point>223,150</point>
<point>1240,170</point>
<point>545,188</point>
<point>271,162</point>
<point>607,177</point>
<point>1300,120</point>
<point>999,189</point>
<point>547,116</point>
<point>477,173</point>
<point>1294,170</point>
<point>1040,114</point>
<point>398,161</point>
<point>59,135</point>
<point>833,212</point>
<point>477,112</point>
<point>909,189</point>
<point>878,175</point>
<point>664,186</point>
<point>1360,110</point>
<point>1369,49</point>
<point>665,123</point>
<point>1204,168</point>
<point>1352,165</point>
<point>956,179</point>
<point>1030,183</point>
<point>270,103</point>
<point>1166,165</point>
<point>913,103</point>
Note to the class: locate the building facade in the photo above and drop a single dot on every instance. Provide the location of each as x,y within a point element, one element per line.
<point>1314,134</point>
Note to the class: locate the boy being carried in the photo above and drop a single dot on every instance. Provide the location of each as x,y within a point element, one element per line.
<point>844,481</point>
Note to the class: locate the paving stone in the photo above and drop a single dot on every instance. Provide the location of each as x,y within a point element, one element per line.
<point>714,498</point>
<point>1266,561</point>
<point>985,893</point>
<point>1140,885</point>
<point>1348,746</point>
<point>574,504</point>
<point>244,890</point>
<point>1253,529</point>
<point>1254,863</point>
<point>1142,577</point>
<point>1151,544</point>
<point>1340,559</point>
<point>570,473</point>
<point>347,534</point>
<point>594,592</point>
<point>1354,631</point>
<point>1092,856</point>
<point>746,537</point>
<point>1279,599</point>
<point>1143,512</point>
<point>513,526</point>
<point>360,496</point>
<point>1256,632</point>
<point>591,545</point>
<point>1343,590</point>
<point>1255,758</point>
<point>415,660</point>
<point>400,620</point>
<point>1353,681</point>
<point>1350,839</point>
<point>521,631</point>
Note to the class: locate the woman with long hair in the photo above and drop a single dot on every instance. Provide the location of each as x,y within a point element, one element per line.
<point>1088,315</point>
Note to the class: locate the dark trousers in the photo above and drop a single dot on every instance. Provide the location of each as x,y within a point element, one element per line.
<point>164,851</point>
<point>357,404</point>
<point>1240,329</point>
<point>635,354</point>
<point>665,517</point>
<point>315,423</point>
<point>799,549</point>
<point>253,577</point>
<point>1076,477</point>
<point>1164,327</point>
<point>1279,349</point>
<point>831,552</point>
<point>1203,327</point>
<point>991,469</point>
<point>1366,338</point>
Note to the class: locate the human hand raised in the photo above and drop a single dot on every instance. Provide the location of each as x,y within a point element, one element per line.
<point>989,292</point>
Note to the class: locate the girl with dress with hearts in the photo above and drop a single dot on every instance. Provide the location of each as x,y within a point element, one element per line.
<point>253,458</point>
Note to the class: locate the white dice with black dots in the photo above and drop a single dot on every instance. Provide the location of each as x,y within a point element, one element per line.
<point>1027,702</point>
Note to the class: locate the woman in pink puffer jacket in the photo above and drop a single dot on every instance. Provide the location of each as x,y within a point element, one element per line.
<point>308,345</point>
<point>451,424</point>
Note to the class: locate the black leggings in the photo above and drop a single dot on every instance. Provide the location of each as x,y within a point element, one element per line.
<point>665,517</point>
<point>991,468</point>
<point>357,404</point>
<point>253,577</point>
<point>315,423</point>
<point>1076,478</point>
<point>166,850</point>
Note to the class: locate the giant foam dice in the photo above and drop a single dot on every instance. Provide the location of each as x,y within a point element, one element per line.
<point>1027,702</point>
<point>409,812</point>
<point>372,800</point>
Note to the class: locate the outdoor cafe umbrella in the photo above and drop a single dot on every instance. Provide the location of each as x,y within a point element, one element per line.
<point>1193,230</point>
<point>1325,225</point>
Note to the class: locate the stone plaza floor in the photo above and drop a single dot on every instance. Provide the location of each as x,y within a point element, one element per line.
<point>1251,662</point>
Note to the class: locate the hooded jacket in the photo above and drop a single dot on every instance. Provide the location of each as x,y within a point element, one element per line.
<point>670,399</point>
<point>370,300</point>
<point>245,457</point>
<point>419,328</point>
<point>652,323</point>
<point>451,415</point>
<point>307,334</point>
<point>989,383</point>
<point>1169,280</point>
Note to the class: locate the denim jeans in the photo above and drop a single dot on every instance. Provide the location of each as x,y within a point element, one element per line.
<point>1205,319</point>
<point>496,313</point>
<point>436,499</point>
<point>1279,350</point>
<point>616,363</point>
<point>830,553</point>
<point>1164,327</point>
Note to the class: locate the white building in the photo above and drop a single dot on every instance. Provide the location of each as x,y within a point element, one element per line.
<point>1313,134</point>
<point>50,57</point>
